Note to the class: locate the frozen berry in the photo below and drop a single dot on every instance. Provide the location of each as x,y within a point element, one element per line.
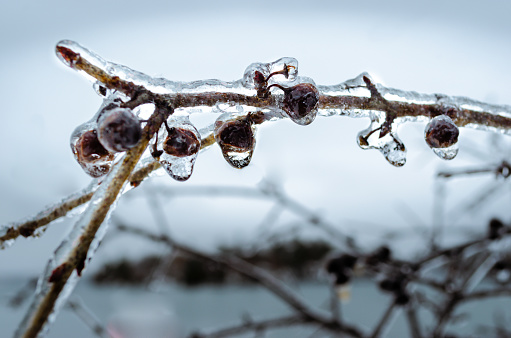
<point>300,102</point>
<point>91,155</point>
<point>236,134</point>
<point>181,142</point>
<point>118,129</point>
<point>441,132</point>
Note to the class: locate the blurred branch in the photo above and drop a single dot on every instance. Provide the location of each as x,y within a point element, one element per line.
<point>253,326</point>
<point>253,272</point>
<point>87,317</point>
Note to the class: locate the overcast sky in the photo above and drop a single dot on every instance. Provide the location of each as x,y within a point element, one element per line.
<point>455,48</point>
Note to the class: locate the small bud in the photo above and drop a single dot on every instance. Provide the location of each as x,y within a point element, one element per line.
<point>118,129</point>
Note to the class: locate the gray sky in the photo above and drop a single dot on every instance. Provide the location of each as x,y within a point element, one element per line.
<point>456,48</point>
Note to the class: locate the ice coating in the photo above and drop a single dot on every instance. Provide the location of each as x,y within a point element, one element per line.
<point>235,134</point>
<point>180,148</point>
<point>284,70</point>
<point>358,97</point>
<point>67,247</point>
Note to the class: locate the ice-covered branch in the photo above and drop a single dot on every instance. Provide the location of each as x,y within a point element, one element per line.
<point>275,89</point>
<point>113,142</point>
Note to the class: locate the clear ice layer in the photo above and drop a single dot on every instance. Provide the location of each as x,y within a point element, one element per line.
<point>179,166</point>
<point>235,134</point>
<point>284,72</point>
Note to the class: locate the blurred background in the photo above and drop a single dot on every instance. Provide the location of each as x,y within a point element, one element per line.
<point>454,48</point>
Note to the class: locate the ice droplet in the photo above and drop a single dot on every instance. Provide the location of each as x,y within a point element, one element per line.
<point>447,153</point>
<point>283,70</point>
<point>236,137</point>
<point>180,148</point>
<point>389,145</point>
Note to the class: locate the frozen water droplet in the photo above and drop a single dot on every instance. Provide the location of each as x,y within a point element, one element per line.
<point>180,148</point>
<point>285,69</point>
<point>389,145</point>
<point>236,138</point>
<point>447,153</point>
<point>441,134</point>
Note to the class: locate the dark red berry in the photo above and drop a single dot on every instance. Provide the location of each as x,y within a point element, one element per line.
<point>237,134</point>
<point>300,100</point>
<point>441,132</point>
<point>495,228</point>
<point>89,149</point>
<point>181,142</point>
<point>119,129</point>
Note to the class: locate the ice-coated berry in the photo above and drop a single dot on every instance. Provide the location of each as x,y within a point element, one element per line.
<point>95,160</point>
<point>300,103</point>
<point>181,142</point>
<point>118,129</point>
<point>236,134</point>
<point>441,132</point>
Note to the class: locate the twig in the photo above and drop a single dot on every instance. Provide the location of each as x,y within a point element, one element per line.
<point>96,213</point>
<point>383,321</point>
<point>256,273</point>
<point>411,315</point>
<point>253,326</point>
<point>77,306</point>
<point>27,228</point>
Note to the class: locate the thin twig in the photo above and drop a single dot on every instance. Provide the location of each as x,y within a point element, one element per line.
<point>383,321</point>
<point>39,312</point>
<point>253,272</point>
<point>77,306</point>
<point>253,326</point>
